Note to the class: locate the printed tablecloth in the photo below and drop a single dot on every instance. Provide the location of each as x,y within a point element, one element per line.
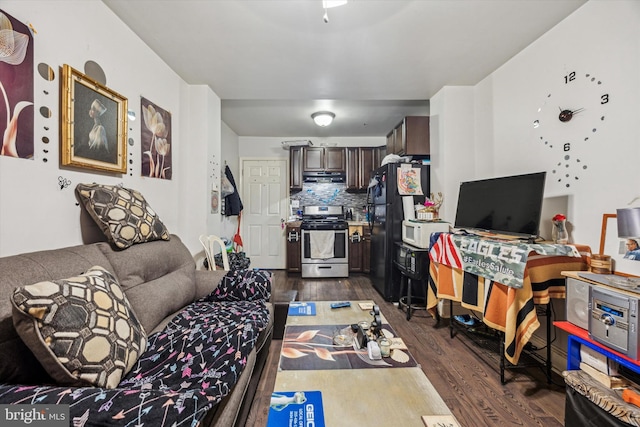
<point>505,308</point>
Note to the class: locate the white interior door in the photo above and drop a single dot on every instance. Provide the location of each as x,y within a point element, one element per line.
<point>265,199</point>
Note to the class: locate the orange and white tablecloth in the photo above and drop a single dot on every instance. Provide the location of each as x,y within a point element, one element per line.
<point>505,308</point>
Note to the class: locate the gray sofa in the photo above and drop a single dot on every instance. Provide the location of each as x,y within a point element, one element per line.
<point>159,279</point>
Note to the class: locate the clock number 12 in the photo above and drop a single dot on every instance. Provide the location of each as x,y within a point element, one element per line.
<point>570,77</point>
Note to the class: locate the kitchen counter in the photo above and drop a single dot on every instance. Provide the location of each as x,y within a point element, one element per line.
<point>357,223</point>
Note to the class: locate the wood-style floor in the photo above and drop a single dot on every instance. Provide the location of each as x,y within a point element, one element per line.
<point>469,385</point>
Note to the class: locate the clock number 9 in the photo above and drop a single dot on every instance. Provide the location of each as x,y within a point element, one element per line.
<point>567,146</point>
<point>570,77</point>
<point>604,98</point>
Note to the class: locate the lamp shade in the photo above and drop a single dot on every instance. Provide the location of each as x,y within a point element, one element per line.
<point>323,118</point>
<point>628,222</point>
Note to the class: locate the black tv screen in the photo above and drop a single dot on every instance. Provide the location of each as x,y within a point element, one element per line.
<point>506,205</point>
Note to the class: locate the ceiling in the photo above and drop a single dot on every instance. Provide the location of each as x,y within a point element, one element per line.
<point>273,63</point>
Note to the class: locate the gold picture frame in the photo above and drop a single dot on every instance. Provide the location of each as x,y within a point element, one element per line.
<point>94,124</point>
<point>612,245</point>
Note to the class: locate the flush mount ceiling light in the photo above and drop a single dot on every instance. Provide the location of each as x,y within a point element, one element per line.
<point>323,118</point>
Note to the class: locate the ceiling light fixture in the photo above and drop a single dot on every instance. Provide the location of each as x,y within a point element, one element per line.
<point>323,118</point>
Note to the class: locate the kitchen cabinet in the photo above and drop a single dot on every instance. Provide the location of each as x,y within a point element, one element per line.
<point>327,159</point>
<point>359,249</point>
<point>294,248</point>
<point>295,168</point>
<point>355,249</point>
<point>410,137</point>
<point>360,162</point>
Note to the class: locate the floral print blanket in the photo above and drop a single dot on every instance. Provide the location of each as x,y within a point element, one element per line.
<point>188,367</point>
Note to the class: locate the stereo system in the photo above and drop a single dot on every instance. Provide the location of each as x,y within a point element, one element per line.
<point>609,315</point>
<point>614,320</point>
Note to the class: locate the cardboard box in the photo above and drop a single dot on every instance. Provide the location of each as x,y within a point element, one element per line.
<point>598,361</point>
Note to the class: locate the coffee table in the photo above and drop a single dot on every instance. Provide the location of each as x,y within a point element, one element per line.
<point>369,397</point>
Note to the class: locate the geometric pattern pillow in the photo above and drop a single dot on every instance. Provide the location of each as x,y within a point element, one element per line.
<point>82,329</point>
<point>123,215</point>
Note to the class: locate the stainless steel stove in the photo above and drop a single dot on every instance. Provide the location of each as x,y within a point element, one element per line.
<point>324,242</point>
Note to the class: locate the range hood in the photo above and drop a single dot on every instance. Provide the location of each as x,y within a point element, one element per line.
<point>324,177</point>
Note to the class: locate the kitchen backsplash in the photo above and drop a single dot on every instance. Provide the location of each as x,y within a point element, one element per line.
<point>313,194</point>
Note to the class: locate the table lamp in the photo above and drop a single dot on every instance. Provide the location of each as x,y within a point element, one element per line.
<point>628,223</point>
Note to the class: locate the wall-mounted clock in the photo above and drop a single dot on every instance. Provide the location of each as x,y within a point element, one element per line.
<point>570,120</point>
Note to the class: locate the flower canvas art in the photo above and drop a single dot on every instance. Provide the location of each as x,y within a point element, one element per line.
<point>156,141</point>
<point>16,88</point>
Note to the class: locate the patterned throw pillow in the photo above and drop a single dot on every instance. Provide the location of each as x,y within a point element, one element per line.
<point>123,215</point>
<point>82,329</point>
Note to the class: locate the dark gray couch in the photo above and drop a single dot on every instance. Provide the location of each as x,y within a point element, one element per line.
<point>159,279</point>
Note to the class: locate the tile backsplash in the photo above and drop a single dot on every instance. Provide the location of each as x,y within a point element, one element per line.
<point>330,194</point>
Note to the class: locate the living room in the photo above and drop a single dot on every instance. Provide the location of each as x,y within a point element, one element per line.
<point>477,131</point>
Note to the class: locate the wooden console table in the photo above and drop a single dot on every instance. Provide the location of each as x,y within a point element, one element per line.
<point>507,309</point>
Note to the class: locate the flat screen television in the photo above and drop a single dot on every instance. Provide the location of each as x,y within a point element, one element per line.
<point>506,205</point>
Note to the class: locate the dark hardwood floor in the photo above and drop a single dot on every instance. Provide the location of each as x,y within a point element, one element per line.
<point>469,385</point>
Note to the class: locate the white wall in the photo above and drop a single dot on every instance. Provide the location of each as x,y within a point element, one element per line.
<point>601,38</point>
<point>35,214</point>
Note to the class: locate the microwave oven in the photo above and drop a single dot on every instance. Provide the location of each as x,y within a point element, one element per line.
<point>418,233</point>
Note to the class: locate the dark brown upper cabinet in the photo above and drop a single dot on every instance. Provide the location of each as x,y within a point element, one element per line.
<point>327,159</point>
<point>410,137</point>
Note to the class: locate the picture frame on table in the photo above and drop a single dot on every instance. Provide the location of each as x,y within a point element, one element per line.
<point>94,124</point>
<point>611,244</point>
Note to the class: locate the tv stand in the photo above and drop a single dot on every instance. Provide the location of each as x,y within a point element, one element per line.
<point>486,337</point>
<point>473,271</point>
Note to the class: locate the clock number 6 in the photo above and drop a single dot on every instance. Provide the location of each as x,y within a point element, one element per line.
<point>567,146</point>
<point>570,77</point>
<point>604,98</point>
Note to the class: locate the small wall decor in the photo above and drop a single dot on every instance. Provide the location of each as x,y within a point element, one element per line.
<point>63,182</point>
<point>94,123</point>
<point>16,89</point>
<point>155,138</point>
<point>214,201</point>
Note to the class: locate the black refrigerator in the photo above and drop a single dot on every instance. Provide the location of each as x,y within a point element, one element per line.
<point>385,213</point>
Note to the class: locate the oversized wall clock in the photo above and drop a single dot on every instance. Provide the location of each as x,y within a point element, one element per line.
<point>570,122</point>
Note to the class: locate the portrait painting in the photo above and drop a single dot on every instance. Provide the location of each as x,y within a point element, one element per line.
<point>16,88</point>
<point>155,141</point>
<point>94,123</point>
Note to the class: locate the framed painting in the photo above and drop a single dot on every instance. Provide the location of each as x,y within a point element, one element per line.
<point>16,89</point>
<point>156,141</point>
<point>94,124</point>
<point>617,248</point>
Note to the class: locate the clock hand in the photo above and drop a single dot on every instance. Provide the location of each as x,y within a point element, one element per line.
<point>566,115</point>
